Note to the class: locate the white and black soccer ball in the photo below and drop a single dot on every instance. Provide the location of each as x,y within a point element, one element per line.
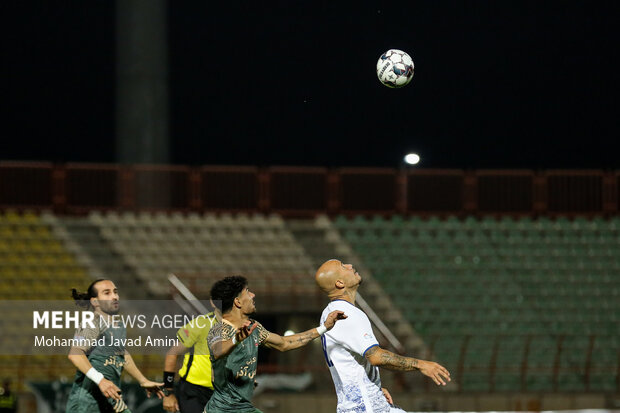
<point>395,68</point>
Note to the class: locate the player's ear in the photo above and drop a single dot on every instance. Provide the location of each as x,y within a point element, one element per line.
<point>94,302</point>
<point>339,284</point>
<point>237,302</point>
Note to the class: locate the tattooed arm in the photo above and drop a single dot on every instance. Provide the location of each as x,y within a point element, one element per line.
<point>391,361</point>
<point>287,343</point>
<point>384,358</point>
<point>290,342</point>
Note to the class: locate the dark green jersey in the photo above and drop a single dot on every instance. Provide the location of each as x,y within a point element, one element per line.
<point>233,375</point>
<point>108,359</point>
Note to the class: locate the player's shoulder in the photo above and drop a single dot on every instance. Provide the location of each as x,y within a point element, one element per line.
<point>97,326</point>
<point>259,326</point>
<point>345,306</point>
<point>221,331</point>
<point>261,331</point>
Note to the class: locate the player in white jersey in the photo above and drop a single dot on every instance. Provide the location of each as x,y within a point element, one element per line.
<point>352,352</point>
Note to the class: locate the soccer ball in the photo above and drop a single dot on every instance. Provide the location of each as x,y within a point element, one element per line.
<point>395,68</point>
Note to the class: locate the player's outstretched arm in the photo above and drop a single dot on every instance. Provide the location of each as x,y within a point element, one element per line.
<point>79,360</point>
<point>391,361</point>
<point>294,341</point>
<point>151,387</point>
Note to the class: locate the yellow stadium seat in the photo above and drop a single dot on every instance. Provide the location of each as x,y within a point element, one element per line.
<point>6,232</point>
<point>24,232</point>
<point>30,217</point>
<point>42,232</point>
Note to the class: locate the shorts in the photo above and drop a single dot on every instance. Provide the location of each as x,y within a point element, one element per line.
<point>83,401</point>
<point>192,398</point>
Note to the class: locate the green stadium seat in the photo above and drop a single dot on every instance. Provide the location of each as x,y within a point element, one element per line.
<point>489,277</point>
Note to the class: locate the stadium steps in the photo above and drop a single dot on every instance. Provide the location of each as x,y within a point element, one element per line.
<point>35,264</point>
<point>545,282</point>
<point>92,250</point>
<point>202,248</point>
<point>33,261</point>
<point>322,241</point>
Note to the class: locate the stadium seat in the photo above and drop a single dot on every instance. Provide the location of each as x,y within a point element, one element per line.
<point>504,277</point>
<point>30,251</point>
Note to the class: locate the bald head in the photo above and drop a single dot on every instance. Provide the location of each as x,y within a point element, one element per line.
<point>338,280</point>
<point>327,275</point>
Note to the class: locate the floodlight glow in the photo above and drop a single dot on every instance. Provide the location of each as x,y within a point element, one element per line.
<point>412,158</point>
<point>288,333</point>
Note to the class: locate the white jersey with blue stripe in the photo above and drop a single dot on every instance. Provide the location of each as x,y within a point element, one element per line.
<point>357,382</point>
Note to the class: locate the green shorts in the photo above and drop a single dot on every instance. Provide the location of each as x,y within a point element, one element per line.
<point>83,401</point>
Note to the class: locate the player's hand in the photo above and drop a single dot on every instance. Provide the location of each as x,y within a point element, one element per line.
<point>171,404</point>
<point>387,395</point>
<point>245,330</point>
<point>152,387</point>
<point>109,389</point>
<point>330,321</point>
<point>437,372</point>
<point>120,406</point>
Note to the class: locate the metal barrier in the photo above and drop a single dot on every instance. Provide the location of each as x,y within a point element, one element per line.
<point>304,191</point>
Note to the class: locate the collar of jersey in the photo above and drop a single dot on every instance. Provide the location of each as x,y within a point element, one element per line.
<point>340,299</point>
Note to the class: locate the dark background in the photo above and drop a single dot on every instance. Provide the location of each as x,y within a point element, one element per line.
<point>498,84</point>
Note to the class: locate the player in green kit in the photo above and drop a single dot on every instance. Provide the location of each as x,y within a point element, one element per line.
<point>97,381</point>
<point>233,344</point>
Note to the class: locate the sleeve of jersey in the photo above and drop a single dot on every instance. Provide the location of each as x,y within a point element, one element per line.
<point>218,333</point>
<point>355,334</point>
<point>263,333</point>
<point>85,336</point>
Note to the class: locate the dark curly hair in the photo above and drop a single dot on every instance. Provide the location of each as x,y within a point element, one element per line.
<point>227,289</point>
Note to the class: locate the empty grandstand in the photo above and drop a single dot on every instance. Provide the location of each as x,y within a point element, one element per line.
<point>513,304</point>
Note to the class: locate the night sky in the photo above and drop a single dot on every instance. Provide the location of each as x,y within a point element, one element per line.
<point>498,84</point>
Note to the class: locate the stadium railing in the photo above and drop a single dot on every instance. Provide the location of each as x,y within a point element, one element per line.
<point>304,191</point>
